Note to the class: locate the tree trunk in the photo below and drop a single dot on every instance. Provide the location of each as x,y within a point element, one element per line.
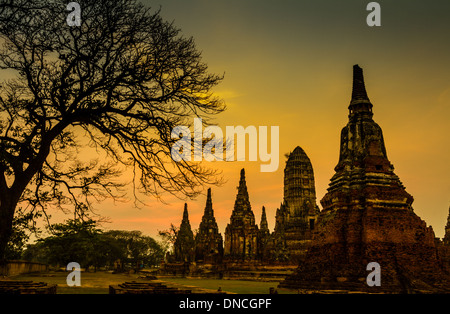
<point>10,196</point>
<point>7,210</point>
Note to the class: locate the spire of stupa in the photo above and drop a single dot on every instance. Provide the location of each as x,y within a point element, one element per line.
<point>185,214</point>
<point>242,202</point>
<point>263,225</point>
<point>184,243</point>
<point>360,101</point>
<point>185,227</point>
<point>447,229</point>
<point>208,208</point>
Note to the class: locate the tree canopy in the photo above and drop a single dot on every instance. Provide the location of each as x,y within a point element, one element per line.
<point>85,243</point>
<point>118,83</point>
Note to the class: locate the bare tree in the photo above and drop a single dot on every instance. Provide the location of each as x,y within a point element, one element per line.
<point>123,80</point>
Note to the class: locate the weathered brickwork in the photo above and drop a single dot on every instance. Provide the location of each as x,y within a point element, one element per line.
<point>208,241</point>
<point>297,214</point>
<point>241,234</point>
<point>184,246</point>
<point>367,217</point>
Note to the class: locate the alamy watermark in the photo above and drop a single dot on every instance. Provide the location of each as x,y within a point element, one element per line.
<point>190,147</point>
<point>74,277</point>
<point>74,17</point>
<point>374,17</point>
<point>374,277</point>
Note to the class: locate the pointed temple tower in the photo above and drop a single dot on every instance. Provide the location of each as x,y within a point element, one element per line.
<point>297,214</point>
<point>444,246</point>
<point>184,244</point>
<point>263,225</point>
<point>263,234</point>
<point>241,234</point>
<point>367,217</point>
<point>447,230</point>
<point>209,242</point>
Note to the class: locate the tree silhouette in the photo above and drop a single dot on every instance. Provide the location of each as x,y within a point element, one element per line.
<point>122,80</point>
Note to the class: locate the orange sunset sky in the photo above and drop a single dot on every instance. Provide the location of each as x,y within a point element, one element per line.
<point>289,64</point>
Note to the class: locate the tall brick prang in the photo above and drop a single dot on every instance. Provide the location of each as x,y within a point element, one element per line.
<point>368,217</point>
<point>298,212</point>
<point>241,234</point>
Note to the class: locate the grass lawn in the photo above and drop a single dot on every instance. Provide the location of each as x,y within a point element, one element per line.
<point>98,283</point>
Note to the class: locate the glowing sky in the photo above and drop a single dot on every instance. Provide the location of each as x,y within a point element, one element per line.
<point>289,64</point>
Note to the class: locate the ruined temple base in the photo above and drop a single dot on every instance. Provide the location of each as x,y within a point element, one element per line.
<point>145,288</point>
<point>347,240</point>
<point>26,287</point>
<point>256,271</point>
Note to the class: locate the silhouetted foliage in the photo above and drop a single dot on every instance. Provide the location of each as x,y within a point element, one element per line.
<point>136,249</point>
<point>169,237</point>
<point>121,81</point>
<point>22,227</point>
<point>83,242</point>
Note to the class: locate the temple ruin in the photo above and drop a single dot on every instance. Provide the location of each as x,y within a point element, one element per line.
<point>184,246</point>
<point>208,240</point>
<point>241,234</point>
<point>297,214</point>
<point>367,216</point>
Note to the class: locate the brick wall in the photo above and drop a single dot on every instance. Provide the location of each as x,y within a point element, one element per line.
<point>18,267</point>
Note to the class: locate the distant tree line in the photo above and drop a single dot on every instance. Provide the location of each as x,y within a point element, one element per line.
<point>83,242</point>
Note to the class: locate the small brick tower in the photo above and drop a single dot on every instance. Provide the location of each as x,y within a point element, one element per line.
<point>184,243</point>
<point>209,242</point>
